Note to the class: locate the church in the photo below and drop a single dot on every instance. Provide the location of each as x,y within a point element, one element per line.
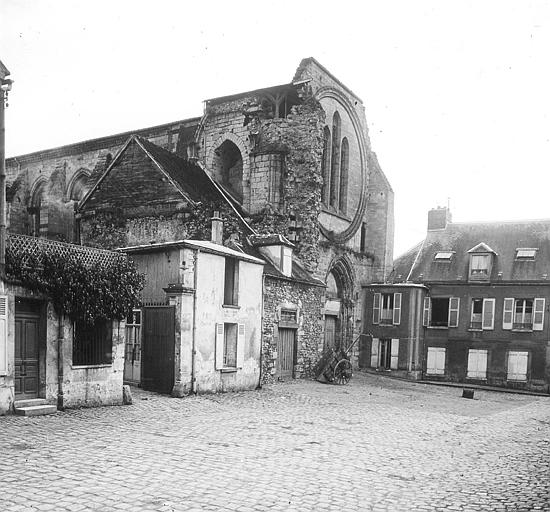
<point>291,163</point>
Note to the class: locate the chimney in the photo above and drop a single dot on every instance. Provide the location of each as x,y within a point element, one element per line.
<point>438,218</point>
<point>217,228</point>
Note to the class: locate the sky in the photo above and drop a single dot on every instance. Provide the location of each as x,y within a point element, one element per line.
<point>456,93</point>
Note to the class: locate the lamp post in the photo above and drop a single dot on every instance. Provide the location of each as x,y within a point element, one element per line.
<point>5,87</point>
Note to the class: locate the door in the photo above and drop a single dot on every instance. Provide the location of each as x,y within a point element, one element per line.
<point>158,346</point>
<point>286,353</point>
<point>385,354</point>
<point>132,354</point>
<point>330,331</point>
<point>26,355</point>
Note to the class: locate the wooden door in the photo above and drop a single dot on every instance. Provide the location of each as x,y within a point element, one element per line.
<point>158,347</point>
<point>286,353</point>
<point>330,331</point>
<point>26,355</point>
<point>132,353</point>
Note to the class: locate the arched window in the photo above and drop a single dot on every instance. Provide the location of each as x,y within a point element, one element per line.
<point>344,169</point>
<point>325,167</point>
<point>335,161</point>
<point>228,168</point>
<point>79,186</point>
<point>334,288</point>
<point>39,211</point>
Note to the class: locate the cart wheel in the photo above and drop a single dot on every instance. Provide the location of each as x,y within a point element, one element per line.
<point>342,372</point>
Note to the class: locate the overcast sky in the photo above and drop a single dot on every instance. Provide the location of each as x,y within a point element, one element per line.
<point>457,94</point>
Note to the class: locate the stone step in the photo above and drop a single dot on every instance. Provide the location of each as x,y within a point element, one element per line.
<point>29,402</point>
<point>36,410</point>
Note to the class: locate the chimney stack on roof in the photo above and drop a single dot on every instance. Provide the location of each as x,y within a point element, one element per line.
<point>217,229</point>
<point>438,218</point>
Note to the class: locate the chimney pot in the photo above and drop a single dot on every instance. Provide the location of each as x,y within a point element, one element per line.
<point>217,228</point>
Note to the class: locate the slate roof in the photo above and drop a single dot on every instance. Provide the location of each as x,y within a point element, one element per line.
<point>504,238</point>
<point>191,177</point>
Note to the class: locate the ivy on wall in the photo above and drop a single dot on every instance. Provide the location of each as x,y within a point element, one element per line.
<point>82,292</point>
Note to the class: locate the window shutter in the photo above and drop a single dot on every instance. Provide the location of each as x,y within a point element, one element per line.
<point>376,308</point>
<point>440,361</point>
<point>3,334</point>
<point>488,314</point>
<point>517,365</point>
<point>431,364</point>
<point>219,346</point>
<point>538,317</point>
<point>454,306</point>
<point>427,310</point>
<point>508,313</point>
<point>240,346</point>
<point>396,308</point>
<point>374,353</point>
<point>435,363</point>
<point>394,363</point>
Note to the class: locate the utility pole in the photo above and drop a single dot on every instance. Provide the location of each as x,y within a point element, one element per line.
<point>5,87</point>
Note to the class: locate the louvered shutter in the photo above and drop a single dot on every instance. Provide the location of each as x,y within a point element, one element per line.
<point>427,311</point>
<point>454,306</point>
<point>396,308</point>
<point>240,346</point>
<point>508,314</point>
<point>376,308</point>
<point>374,353</point>
<point>394,363</point>
<point>440,361</point>
<point>538,317</point>
<point>488,314</point>
<point>517,365</point>
<point>3,334</point>
<point>219,346</point>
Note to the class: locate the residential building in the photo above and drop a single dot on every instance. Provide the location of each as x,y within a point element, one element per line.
<point>469,304</point>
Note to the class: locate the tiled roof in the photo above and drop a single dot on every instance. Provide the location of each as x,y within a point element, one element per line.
<point>191,178</point>
<point>503,238</point>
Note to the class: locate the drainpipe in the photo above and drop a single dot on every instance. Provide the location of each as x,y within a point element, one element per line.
<point>60,360</point>
<point>262,332</point>
<point>193,343</point>
<point>5,86</point>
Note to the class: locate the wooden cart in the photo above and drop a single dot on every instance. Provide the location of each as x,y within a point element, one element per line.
<point>335,366</point>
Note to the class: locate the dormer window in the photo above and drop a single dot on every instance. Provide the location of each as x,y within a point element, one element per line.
<point>526,254</point>
<point>481,262</point>
<point>443,256</point>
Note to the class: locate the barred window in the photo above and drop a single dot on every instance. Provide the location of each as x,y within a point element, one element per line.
<point>92,344</point>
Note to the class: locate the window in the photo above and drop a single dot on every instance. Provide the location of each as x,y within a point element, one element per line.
<point>523,314</point>
<point>386,309</point>
<point>3,334</point>
<point>385,353</point>
<point>326,166</point>
<point>289,316</point>
<point>517,365</point>
<point>92,344</point>
<point>441,312</point>
<point>477,364</point>
<point>229,351</point>
<point>435,364</point>
<point>335,161</point>
<point>526,254</point>
<point>479,266</point>
<point>483,314</point>
<point>231,284</point>
<point>344,169</point>
<point>443,256</point>
<point>286,260</point>
<point>363,239</point>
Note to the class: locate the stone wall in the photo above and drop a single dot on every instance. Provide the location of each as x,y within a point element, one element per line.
<point>308,302</point>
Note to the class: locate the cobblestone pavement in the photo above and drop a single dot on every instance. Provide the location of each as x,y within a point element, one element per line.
<point>376,444</point>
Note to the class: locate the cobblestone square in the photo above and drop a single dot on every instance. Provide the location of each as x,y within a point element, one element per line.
<point>376,444</point>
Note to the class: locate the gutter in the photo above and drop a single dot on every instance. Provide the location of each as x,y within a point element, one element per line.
<point>194,331</point>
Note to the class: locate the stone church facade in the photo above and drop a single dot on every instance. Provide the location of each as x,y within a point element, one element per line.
<point>293,159</point>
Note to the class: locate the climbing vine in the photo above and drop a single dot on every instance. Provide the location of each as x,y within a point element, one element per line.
<point>82,292</point>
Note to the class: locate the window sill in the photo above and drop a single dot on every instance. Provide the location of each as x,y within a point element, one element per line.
<point>477,378</point>
<point>438,327</point>
<point>86,366</point>
<point>228,370</point>
<point>231,306</point>
<point>521,330</point>
<point>475,330</point>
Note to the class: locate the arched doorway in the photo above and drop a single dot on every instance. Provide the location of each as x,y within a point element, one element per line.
<point>228,168</point>
<point>338,304</point>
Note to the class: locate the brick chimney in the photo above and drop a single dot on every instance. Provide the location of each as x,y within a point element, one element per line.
<point>217,228</point>
<point>438,218</point>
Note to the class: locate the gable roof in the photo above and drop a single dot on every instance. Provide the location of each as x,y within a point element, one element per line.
<point>500,238</point>
<point>187,178</point>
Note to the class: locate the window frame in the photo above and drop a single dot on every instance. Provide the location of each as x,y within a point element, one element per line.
<point>523,353</point>
<point>105,350</point>
<point>477,374</point>
<point>480,273</point>
<point>453,312</point>
<point>434,351</point>
<point>231,282</point>
<point>482,324</point>
<point>220,348</point>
